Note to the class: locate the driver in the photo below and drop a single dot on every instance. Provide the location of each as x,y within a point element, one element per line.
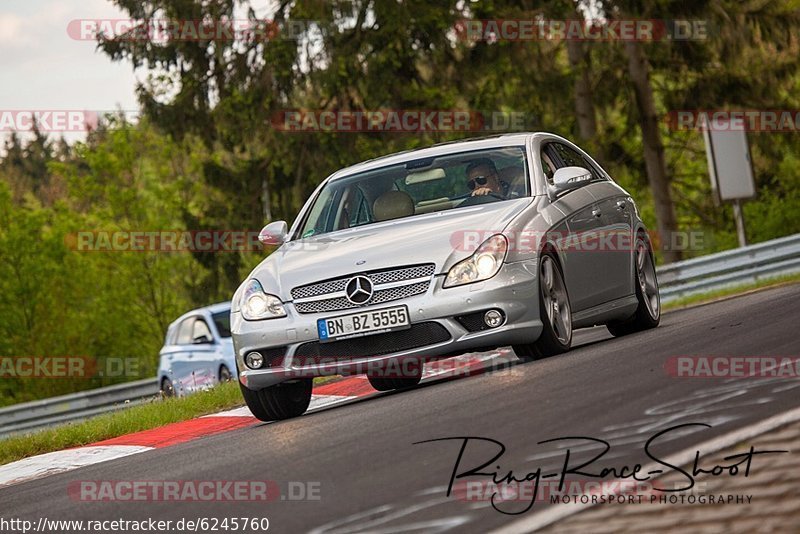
<point>484,180</point>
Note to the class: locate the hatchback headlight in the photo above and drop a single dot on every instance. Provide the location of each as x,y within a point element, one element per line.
<point>256,305</point>
<point>482,265</point>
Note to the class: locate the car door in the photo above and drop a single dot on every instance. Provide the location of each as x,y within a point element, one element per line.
<point>203,356</point>
<point>609,251</point>
<point>615,256</point>
<point>583,225</point>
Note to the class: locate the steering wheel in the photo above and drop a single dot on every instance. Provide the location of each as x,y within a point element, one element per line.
<point>481,199</point>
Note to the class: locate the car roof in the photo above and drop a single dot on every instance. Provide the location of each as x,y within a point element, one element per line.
<point>213,308</point>
<point>449,147</point>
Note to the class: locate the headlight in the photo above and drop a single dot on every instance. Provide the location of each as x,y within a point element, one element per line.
<point>257,305</point>
<point>482,265</point>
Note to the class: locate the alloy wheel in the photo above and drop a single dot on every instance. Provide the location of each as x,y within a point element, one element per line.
<point>646,274</point>
<point>556,303</point>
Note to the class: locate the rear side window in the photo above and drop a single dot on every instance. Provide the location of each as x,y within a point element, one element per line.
<point>185,332</point>
<point>169,338</point>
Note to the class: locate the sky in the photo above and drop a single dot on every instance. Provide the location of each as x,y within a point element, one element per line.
<point>42,67</point>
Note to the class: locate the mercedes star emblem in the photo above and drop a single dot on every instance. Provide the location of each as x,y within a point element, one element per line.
<point>358,290</point>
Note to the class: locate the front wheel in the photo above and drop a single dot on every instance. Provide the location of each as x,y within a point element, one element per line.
<point>224,374</point>
<point>555,311</point>
<point>282,401</point>
<point>648,313</point>
<point>167,389</point>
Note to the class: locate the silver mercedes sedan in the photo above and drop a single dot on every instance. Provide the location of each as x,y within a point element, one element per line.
<point>510,240</point>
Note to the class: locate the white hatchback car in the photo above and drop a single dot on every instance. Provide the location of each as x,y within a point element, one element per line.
<point>198,351</point>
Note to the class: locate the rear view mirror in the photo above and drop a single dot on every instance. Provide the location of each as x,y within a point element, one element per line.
<point>569,178</point>
<point>274,233</point>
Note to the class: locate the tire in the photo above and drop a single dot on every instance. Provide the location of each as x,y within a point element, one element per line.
<point>648,312</point>
<point>555,311</point>
<point>224,374</point>
<point>384,383</point>
<point>282,401</point>
<point>167,389</point>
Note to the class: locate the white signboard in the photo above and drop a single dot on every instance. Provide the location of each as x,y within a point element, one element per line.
<point>729,161</point>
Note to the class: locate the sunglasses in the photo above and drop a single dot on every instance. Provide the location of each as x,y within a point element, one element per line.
<point>478,180</point>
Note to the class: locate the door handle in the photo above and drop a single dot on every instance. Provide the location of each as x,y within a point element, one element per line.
<point>621,205</point>
<point>596,213</point>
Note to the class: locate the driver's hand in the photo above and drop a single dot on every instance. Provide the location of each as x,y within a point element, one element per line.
<point>482,191</point>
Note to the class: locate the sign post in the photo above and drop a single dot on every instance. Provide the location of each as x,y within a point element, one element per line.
<point>729,166</point>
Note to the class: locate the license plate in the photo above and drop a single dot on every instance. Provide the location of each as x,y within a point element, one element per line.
<point>363,323</point>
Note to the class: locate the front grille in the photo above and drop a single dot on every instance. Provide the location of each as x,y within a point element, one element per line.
<point>405,273</point>
<point>381,295</point>
<point>322,288</point>
<point>324,305</point>
<point>419,335</point>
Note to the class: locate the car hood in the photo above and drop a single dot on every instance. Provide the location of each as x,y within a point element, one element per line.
<point>428,238</point>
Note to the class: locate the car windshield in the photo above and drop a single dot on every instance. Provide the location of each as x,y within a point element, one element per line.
<point>222,320</point>
<point>419,186</point>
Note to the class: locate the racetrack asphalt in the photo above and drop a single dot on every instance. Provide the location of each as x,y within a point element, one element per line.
<point>371,476</point>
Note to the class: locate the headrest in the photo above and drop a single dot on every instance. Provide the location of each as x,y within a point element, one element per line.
<point>392,205</point>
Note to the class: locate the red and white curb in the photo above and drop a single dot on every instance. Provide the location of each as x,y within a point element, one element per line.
<point>60,461</point>
<point>324,396</point>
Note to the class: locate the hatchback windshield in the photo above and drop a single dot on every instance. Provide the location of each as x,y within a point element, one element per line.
<point>419,186</point>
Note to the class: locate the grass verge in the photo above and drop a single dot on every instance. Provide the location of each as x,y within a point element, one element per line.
<point>158,412</point>
<point>711,296</point>
<point>152,414</point>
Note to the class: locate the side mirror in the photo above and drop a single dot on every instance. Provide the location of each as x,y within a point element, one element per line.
<point>274,233</point>
<point>202,340</point>
<point>569,178</point>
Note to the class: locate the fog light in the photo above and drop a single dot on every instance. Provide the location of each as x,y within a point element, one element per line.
<point>254,360</point>
<point>493,318</point>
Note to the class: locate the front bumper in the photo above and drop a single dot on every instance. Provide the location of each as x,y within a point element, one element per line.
<point>514,290</point>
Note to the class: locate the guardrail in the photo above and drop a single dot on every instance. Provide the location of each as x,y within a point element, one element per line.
<point>28,416</point>
<point>676,280</point>
<point>730,268</point>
